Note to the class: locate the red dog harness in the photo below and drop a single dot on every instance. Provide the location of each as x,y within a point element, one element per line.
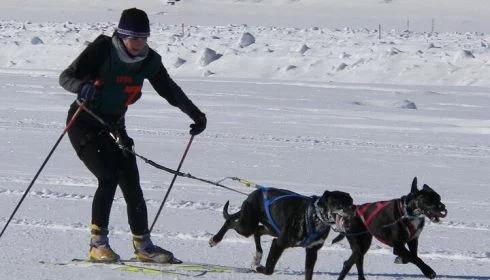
<point>370,212</point>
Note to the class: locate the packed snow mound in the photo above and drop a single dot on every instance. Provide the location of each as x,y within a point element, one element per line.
<point>208,55</point>
<point>394,51</point>
<point>344,55</point>
<point>208,73</point>
<point>36,41</point>
<point>341,67</point>
<point>406,104</point>
<point>246,40</point>
<point>463,55</point>
<point>304,48</point>
<point>179,62</point>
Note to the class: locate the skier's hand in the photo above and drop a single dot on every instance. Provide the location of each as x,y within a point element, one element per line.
<point>125,143</point>
<point>199,125</point>
<point>88,92</point>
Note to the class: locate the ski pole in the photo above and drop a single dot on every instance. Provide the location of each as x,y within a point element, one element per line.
<point>172,183</point>
<point>68,126</point>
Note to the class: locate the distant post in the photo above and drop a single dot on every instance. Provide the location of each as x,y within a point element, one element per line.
<point>379,32</point>
<point>433,26</point>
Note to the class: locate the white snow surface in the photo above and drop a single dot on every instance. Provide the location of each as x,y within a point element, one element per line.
<point>318,102</point>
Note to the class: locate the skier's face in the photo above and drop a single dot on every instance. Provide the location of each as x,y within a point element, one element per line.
<point>134,45</point>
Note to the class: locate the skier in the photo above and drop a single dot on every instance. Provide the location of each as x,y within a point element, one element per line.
<point>108,76</point>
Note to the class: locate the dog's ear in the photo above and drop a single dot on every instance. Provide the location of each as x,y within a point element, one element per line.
<point>325,196</point>
<point>427,188</point>
<point>414,185</point>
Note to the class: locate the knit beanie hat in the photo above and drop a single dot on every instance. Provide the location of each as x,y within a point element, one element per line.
<point>133,23</point>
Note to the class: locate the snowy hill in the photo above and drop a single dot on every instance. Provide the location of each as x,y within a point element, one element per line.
<point>310,54</point>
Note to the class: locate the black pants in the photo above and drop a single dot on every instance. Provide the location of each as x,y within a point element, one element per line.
<point>99,152</point>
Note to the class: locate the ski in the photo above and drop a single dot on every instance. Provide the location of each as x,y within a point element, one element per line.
<point>132,266</point>
<point>178,269</point>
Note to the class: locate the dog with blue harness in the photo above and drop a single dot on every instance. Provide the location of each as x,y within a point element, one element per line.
<point>294,220</point>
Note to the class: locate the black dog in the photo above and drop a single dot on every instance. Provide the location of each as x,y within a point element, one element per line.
<point>395,222</point>
<point>295,220</point>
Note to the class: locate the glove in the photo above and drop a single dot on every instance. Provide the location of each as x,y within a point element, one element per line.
<point>125,143</point>
<point>199,125</point>
<point>88,92</point>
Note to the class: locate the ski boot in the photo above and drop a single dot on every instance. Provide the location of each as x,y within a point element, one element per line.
<point>100,251</point>
<point>146,251</point>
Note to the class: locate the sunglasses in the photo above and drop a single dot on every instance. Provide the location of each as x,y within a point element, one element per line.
<point>137,38</point>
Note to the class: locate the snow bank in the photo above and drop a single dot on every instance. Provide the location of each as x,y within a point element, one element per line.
<point>310,54</point>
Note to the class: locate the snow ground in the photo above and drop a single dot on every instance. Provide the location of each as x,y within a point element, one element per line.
<point>336,116</point>
<point>303,137</point>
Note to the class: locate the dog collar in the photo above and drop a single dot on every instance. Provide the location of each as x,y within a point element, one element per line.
<point>407,211</point>
<point>320,214</point>
<point>317,223</point>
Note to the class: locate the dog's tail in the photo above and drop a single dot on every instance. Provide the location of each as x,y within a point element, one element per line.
<point>338,238</point>
<point>227,215</point>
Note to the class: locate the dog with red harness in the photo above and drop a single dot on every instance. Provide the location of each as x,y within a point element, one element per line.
<point>396,223</point>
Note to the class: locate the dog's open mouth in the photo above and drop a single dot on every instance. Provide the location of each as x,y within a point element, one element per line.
<point>435,215</point>
<point>342,223</point>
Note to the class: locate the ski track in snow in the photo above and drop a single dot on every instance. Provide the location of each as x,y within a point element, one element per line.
<point>205,236</point>
<point>297,142</point>
<point>180,204</point>
<point>200,206</point>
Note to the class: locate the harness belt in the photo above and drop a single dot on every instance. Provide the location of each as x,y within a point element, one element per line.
<point>312,233</point>
<point>369,211</point>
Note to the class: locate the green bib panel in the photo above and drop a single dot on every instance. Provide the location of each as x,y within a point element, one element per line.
<point>122,82</point>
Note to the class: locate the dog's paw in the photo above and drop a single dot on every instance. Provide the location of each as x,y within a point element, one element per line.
<point>259,269</point>
<point>399,260</point>
<point>429,273</point>
<point>212,243</point>
<point>257,259</point>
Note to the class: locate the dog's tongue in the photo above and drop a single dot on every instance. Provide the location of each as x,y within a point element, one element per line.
<point>435,219</point>
<point>435,216</point>
<point>340,223</point>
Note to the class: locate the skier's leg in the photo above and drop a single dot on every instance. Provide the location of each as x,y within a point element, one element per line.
<point>144,248</point>
<point>129,182</point>
<point>94,151</point>
<point>99,157</point>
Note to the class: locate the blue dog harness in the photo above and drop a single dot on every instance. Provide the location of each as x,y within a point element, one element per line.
<point>312,233</point>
